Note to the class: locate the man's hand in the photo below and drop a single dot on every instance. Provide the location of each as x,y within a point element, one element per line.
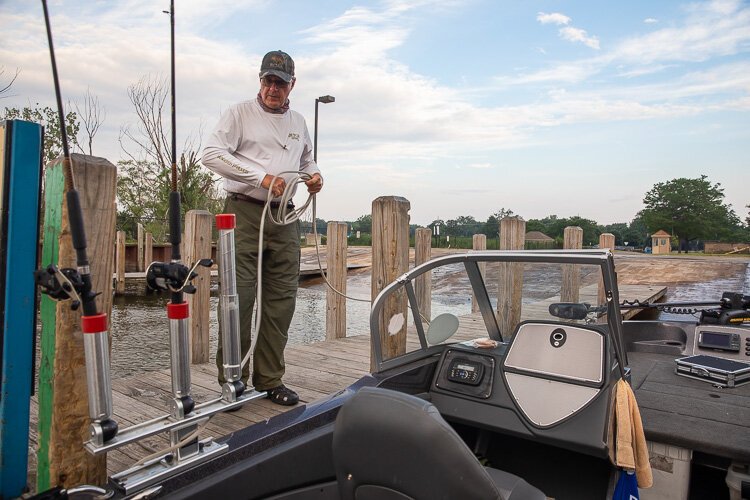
<point>278,185</point>
<point>315,184</point>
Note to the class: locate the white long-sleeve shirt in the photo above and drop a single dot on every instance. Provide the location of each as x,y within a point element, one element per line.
<point>249,143</point>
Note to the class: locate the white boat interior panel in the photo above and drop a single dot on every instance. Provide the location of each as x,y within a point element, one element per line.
<point>547,402</point>
<point>558,350</point>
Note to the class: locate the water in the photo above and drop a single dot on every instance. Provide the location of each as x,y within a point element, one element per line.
<point>140,328</point>
<point>140,334</point>
<point>710,290</point>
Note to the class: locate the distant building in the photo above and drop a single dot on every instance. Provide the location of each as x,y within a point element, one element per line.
<point>661,242</point>
<point>537,239</point>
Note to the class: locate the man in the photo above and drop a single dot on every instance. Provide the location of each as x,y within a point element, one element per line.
<point>253,141</point>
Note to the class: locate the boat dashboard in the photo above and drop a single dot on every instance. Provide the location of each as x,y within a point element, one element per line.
<point>539,390</point>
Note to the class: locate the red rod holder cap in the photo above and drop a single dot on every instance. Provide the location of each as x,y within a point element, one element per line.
<point>178,311</point>
<point>225,221</point>
<point>94,324</point>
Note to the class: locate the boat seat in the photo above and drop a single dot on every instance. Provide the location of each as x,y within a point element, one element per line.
<point>392,446</point>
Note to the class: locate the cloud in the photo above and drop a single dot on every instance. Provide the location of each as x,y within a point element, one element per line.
<point>393,129</point>
<point>578,35</point>
<point>569,33</point>
<point>710,30</point>
<point>650,20</point>
<point>553,18</point>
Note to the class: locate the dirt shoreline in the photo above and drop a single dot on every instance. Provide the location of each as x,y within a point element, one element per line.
<point>632,268</point>
<point>641,269</point>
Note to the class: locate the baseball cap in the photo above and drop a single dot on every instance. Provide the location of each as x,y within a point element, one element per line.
<point>277,63</point>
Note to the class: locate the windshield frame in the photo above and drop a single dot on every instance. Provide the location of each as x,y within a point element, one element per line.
<point>601,258</point>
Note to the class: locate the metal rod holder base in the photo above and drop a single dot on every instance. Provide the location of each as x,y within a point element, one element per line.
<point>168,422</point>
<point>156,470</point>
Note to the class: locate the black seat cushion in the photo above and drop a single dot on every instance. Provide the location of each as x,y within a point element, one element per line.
<point>392,445</point>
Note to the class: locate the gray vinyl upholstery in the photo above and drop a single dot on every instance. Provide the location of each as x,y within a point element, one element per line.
<point>393,446</point>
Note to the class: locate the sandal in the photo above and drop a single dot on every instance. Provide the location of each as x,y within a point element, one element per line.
<point>283,395</point>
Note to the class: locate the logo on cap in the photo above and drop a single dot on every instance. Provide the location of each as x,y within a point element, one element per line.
<point>277,63</point>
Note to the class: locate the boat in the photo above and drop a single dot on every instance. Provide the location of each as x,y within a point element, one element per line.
<point>514,401</point>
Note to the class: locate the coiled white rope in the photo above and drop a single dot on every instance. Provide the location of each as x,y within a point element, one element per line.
<point>284,216</point>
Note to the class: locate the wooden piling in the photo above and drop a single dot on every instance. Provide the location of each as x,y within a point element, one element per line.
<point>606,241</point>
<point>120,262</point>
<point>510,283</point>
<point>479,243</point>
<point>571,274</point>
<point>390,259</point>
<point>198,246</point>
<point>140,256</point>
<point>63,397</point>
<point>423,284</point>
<point>336,272</point>
<point>148,250</point>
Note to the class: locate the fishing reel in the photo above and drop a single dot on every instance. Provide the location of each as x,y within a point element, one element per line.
<point>173,276</point>
<point>61,284</point>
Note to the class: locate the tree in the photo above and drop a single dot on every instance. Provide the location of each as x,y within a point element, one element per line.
<point>688,208</point>
<point>6,87</point>
<point>619,230</point>
<point>638,232</point>
<point>590,228</point>
<point>144,180</point>
<point>143,193</point>
<point>551,225</point>
<point>47,117</point>
<point>462,226</point>
<point>92,116</point>
<point>363,224</point>
<point>491,227</point>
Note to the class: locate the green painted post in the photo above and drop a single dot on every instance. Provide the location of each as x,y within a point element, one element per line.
<point>63,396</point>
<point>53,201</point>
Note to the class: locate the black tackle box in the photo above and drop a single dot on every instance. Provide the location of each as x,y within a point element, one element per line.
<point>718,371</point>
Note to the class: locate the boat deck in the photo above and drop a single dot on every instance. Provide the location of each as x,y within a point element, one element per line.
<point>313,370</point>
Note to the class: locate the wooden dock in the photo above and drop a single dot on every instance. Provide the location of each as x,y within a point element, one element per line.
<point>313,370</point>
<point>357,258</point>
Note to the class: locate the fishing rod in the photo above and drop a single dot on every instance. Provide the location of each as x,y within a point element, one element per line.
<point>174,276</point>
<point>184,424</point>
<point>76,284</point>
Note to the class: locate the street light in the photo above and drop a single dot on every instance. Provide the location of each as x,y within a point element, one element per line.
<point>325,99</point>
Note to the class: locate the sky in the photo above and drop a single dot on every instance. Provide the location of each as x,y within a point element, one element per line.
<point>463,107</point>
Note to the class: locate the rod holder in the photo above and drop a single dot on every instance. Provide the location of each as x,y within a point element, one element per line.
<point>98,380</point>
<point>229,306</point>
<point>179,351</point>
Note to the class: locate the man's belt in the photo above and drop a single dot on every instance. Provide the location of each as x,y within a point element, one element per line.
<point>250,199</point>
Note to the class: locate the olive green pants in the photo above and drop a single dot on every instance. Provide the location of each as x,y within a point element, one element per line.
<point>281,257</point>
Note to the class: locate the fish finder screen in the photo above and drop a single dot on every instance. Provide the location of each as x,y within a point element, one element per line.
<point>715,339</point>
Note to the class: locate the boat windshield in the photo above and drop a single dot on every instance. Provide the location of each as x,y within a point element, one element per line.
<point>481,298</point>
